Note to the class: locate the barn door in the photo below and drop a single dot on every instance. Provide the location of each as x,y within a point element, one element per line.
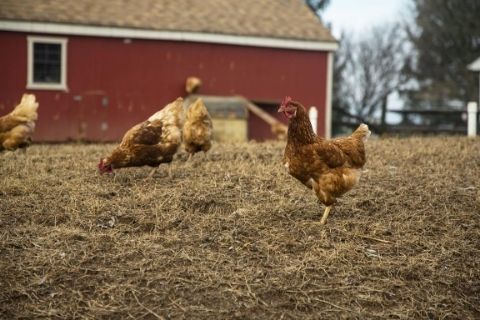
<point>92,116</point>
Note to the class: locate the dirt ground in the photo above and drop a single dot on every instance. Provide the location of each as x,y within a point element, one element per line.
<point>232,235</point>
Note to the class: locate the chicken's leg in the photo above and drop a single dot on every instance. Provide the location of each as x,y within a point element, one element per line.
<point>325,214</point>
<point>170,171</point>
<point>151,173</point>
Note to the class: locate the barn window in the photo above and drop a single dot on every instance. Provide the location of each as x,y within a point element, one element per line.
<point>47,63</point>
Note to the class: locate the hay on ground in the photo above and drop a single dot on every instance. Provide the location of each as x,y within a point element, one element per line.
<point>232,235</point>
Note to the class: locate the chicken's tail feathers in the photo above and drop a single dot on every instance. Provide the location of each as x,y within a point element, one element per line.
<point>27,108</point>
<point>362,132</point>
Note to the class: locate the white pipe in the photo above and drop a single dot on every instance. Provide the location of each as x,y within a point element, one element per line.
<point>472,109</point>
<point>328,100</point>
<point>313,115</point>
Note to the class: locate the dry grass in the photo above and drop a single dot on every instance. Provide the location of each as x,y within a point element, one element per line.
<point>233,236</point>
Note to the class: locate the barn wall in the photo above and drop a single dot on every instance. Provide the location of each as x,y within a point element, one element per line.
<point>113,84</point>
<point>257,128</point>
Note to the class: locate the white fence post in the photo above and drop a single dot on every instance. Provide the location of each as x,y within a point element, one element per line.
<point>313,115</point>
<point>472,109</point>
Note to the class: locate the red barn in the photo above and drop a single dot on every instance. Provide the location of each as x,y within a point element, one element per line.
<point>98,67</point>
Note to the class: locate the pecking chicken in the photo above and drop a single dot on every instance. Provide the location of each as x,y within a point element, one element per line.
<point>328,167</point>
<point>197,131</point>
<point>16,128</point>
<point>149,143</point>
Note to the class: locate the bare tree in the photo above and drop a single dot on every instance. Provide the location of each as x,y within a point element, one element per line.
<point>368,71</point>
<point>318,5</point>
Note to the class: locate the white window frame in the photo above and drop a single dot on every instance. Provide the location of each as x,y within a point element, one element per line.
<point>63,61</point>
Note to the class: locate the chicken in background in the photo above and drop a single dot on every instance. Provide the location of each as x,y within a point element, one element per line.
<point>192,85</point>
<point>328,167</point>
<point>150,143</point>
<point>16,128</point>
<point>197,130</point>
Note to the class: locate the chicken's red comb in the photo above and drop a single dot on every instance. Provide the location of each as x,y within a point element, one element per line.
<point>286,100</point>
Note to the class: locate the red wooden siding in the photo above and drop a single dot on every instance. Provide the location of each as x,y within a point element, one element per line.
<point>257,129</point>
<point>113,84</point>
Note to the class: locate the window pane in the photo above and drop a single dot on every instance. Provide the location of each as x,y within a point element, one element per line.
<point>47,62</point>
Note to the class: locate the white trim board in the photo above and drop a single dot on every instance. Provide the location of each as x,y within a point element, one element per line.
<point>130,33</point>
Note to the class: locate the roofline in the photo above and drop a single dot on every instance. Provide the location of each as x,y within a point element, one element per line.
<point>131,33</point>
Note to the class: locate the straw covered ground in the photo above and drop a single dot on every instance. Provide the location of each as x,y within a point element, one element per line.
<point>232,235</point>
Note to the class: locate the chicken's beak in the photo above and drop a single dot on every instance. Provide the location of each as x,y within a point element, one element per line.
<point>281,108</point>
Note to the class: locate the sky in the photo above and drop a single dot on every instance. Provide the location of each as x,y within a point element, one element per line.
<point>357,15</point>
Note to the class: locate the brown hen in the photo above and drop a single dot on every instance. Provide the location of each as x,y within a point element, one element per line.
<point>328,167</point>
<point>197,130</point>
<point>16,128</point>
<point>149,143</point>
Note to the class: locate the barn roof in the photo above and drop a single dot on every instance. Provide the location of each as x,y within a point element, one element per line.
<point>284,19</point>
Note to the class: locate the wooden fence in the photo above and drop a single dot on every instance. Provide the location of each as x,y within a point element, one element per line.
<point>414,122</point>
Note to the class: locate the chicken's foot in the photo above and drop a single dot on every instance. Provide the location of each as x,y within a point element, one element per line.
<point>325,214</point>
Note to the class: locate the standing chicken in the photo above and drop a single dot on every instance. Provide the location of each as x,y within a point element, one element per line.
<point>329,167</point>
<point>197,131</point>
<point>149,143</point>
<point>16,128</point>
